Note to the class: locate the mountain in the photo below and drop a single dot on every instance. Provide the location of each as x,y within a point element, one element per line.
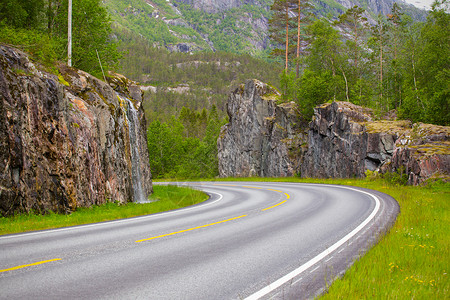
<point>238,26</point>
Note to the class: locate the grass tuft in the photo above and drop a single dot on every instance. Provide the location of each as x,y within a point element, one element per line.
<point>165,197</point>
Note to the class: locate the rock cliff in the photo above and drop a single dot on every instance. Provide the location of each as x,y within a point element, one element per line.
<point>68,140</point>
<point>262,138</point>
<point>214,6</point>
<point>337,142</point>
<point>342,141</point>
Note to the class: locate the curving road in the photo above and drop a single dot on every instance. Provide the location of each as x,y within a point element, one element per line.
<point>249,241</point>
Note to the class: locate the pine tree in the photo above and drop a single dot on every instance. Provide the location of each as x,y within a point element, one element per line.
<point>279,26</point>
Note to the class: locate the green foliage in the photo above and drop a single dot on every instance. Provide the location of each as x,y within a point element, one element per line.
<point>39,45</point>
<point>185,147</point>
<point>165,198</point>
<point>397,64</point>
<point>91,34</point>
<point>40,28</point>
<point>21,13</point>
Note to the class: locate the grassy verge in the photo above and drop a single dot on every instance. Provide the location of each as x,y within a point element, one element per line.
<point>168,198</point>
<point>413,260</point>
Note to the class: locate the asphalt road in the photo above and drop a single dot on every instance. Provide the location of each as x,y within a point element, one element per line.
<point>249,241</point>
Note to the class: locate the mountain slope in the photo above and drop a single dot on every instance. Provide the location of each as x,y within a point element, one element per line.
<point>239,26</point>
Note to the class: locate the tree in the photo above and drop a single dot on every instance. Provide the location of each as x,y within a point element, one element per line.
<point>326,55</point>
<point>353,21</point>
<point>303,7</point>
<point>378,42</point>
<point>355,24</point>
<point>434,63</point>
<point>396,34</point>
<point>91,34</point>
<point>22,13</point>
<point>280,24</point>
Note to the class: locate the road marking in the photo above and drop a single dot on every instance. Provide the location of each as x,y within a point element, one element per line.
<point>314,269</point>
<point>329,259</point>
<point>274,190</point>
<point>252,187</point>
<point>341,250</point>
<point>287,197</point>
<point>298,280</point>
<point>277,283</point>
<point>29,265</point>
<point>189,229</point>
<point>163,214</point>
<point>224,184</point>
<point>274,205</point>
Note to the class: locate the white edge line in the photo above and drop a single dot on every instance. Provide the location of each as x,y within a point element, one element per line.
<point>114,221</point>
<point>276,284</point>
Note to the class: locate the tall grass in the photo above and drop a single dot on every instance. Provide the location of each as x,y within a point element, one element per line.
<point>165,198</point>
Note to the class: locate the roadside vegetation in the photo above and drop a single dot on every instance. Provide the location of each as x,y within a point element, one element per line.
<point>412,260</point>
<point>165,198</point>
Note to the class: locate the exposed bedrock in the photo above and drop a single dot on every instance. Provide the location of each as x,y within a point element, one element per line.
<point>343,140</point>
<point>65,139</point>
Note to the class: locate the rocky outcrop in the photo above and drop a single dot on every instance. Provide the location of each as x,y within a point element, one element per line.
<point>337,142</point>
<point>265,139</point>
<point>421,152</point>
<point>344,141</point>
<point>68,140</point>
<point>262,138</point>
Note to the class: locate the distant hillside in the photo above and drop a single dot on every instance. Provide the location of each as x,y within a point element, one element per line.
<point>238,26</point>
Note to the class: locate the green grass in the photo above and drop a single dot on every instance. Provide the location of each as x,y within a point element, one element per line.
<point>412,260</point>
<point>167,198</point>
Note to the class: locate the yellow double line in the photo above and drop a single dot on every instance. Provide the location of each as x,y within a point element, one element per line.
<point>193,228</point>
<point>215,223</point>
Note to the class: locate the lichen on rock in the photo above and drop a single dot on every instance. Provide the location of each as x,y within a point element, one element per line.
<point>262,138</point>
<point>64,139</point>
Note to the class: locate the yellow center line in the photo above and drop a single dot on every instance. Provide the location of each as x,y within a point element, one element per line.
<point>274,190</point>
<point>252,187</point>
<point>287,197</point>
<point>29,265</point>
<point>274,205</point>
<point>185,230</point>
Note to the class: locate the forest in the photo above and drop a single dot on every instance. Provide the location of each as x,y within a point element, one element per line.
<point>393,66</point>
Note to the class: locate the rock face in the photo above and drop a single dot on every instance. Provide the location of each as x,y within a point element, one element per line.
<point>269,140</point>
<point>68,141</point>
<point>344,141</point>
<point>337,142</point>
<point>421,152</point>
<point>214,6</point>
<point>262,138</point>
